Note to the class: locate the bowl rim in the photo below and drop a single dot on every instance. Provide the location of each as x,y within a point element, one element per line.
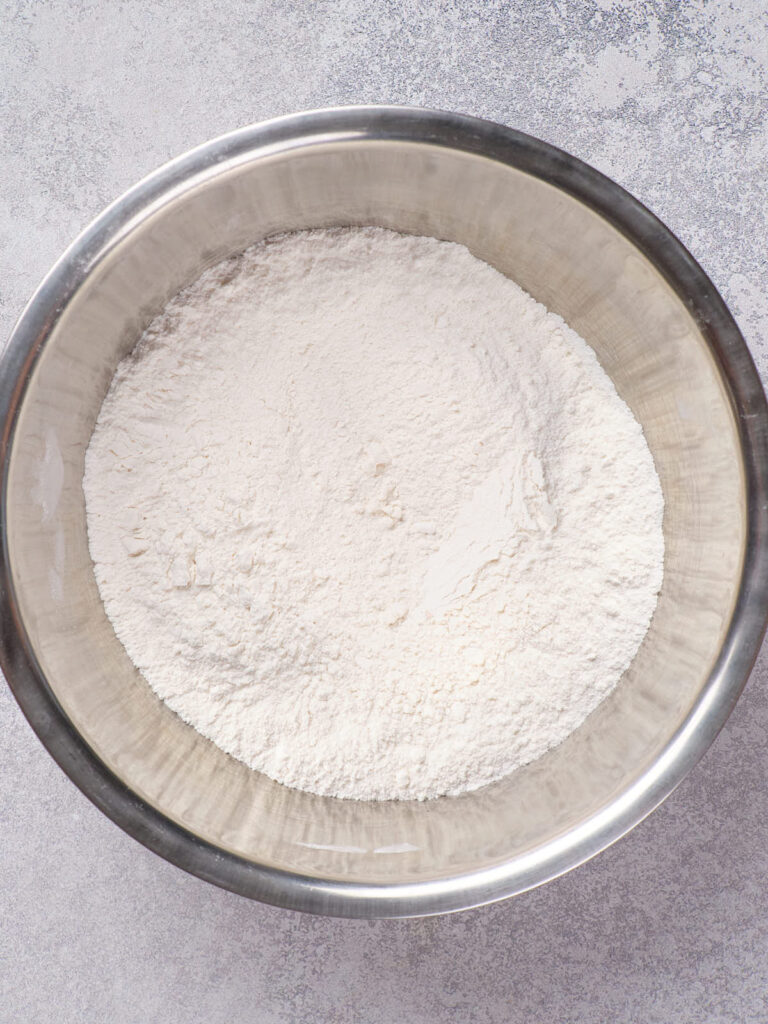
<point>742,642</point>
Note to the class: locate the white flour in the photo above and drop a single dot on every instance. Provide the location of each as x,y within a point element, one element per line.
<point>370,518</point>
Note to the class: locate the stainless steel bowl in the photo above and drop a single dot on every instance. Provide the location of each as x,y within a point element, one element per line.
<point>574,240</point>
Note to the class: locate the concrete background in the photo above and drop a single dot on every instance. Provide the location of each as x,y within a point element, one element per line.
<point>669,98</point>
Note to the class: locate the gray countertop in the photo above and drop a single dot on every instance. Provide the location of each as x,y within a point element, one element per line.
<point>669,925</point>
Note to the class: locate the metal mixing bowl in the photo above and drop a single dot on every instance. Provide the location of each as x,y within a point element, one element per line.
<point>583,247</point>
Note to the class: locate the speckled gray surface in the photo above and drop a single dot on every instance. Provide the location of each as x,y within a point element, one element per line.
<point>669,98</point>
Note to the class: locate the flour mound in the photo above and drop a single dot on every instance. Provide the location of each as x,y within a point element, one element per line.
<point>370,518</point>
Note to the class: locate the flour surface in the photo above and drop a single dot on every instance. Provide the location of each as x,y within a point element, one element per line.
<point>370,518</point>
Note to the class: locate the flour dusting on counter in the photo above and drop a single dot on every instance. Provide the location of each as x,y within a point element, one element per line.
<point>370,518</point>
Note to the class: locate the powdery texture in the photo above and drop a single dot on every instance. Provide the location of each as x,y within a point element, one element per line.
<point>370,518</point>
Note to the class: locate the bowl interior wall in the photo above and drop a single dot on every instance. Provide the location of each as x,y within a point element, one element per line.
<point>566,256</point>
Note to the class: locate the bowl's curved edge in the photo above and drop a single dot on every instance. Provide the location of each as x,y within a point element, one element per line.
<point>727,679</point>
